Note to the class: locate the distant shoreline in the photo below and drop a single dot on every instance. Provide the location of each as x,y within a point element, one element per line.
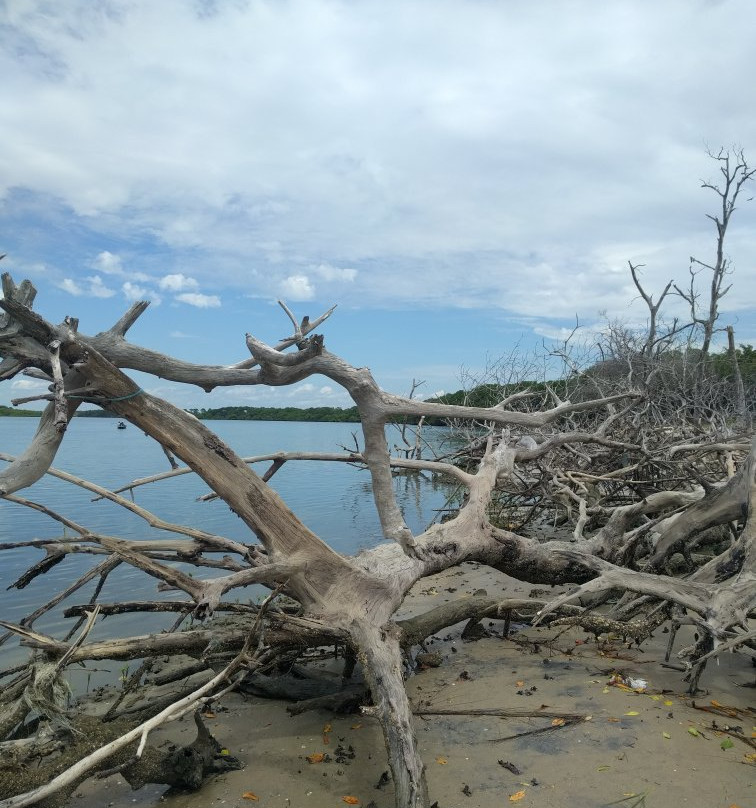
<point>304,414</point>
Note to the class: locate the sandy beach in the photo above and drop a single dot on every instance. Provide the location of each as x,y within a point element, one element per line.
<point>653,747</point>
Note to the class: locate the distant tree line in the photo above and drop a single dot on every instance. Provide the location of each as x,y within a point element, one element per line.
<point>14,412</point>
<point>327,414</point>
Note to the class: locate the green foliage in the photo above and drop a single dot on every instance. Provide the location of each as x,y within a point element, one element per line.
<point>746,356</point>
<point>13,412</point>
<point>319,414</point>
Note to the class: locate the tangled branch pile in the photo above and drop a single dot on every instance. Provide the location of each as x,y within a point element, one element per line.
<point>633,481</point>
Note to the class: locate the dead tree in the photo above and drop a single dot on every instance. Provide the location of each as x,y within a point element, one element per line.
<point>623,539</point>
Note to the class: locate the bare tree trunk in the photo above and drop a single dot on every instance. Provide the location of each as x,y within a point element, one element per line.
<point>381,657</point>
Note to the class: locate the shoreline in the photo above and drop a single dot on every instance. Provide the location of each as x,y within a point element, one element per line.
<point>627,743</point>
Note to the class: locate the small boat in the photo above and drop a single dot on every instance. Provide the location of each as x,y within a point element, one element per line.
<point>121,425</point>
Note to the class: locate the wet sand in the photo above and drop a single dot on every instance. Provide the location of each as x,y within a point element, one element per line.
<point>654,744</point>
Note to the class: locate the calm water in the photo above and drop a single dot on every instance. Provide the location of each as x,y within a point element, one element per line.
<point>333,499</point>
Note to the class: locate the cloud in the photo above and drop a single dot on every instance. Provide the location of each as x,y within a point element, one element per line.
<point>34,385</point>
<point>331,273</point>
<point>508,156</point>
<point>199,300</point>
<point>134,292</point>
<point>91,286</point>
<point>297,287</point>
<point>108,263</point>
<point>177,282</point>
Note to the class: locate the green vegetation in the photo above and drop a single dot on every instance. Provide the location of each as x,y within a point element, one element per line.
<point>13,412</point>
<point>746,355</point>
<point>328,414</point>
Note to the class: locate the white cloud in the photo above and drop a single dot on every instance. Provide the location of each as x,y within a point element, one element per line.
<point>134,292</point>
<point>181,335</point>
<point>91,286</point>
<point>108,263</point>
<point>199,300</point>
<point>297,287</point>
<point>508,156</point>
<point>70,286</point>
<point>331,273</point>
<point>177,282</point>
<point>34,385</point>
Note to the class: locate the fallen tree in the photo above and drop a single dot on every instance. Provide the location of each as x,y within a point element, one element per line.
<point>637,485</point>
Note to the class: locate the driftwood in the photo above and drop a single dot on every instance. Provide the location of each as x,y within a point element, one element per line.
<point>598,455</point>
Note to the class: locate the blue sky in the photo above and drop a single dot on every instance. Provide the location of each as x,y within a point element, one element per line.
<point>459,177</point>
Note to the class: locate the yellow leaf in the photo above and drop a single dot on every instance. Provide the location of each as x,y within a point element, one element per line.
<point>518,795</point>
<point>633,712</point>
<point>656,698</point>
<point>356,726</point>
<point>666,735</point>
<point>557,722</point>
<point>327,728</point>
<point>350,800</point>
<point>519,683</point>
<point>668,703</point>
<point>442,760</point>
<point>248,795</point>
<point>605,690</point>
<point>693,731</point>
<point>224,752</point>
<point>317,757</point>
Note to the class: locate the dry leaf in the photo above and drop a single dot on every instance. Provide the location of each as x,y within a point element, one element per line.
<point>356,726</point>
<point>693,731</point>
<point>519,683</point>
<point>668,703</point>
<point>557,722</point>
<point>442,760</point>
<point>248,795</point>
<point>613,720</point>
<point>208,714</point>
<point>317,757</point>
<point>666,735</point>
<point>350,800</point>
<point>516,796</point>
<point>326,728</point>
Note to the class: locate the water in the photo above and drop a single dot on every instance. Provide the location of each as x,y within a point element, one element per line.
<point>332,499</point>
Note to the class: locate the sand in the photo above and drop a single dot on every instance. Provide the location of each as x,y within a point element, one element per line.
<point>653,744</point>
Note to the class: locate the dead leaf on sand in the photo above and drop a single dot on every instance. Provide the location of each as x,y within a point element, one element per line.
<point>517,796</point>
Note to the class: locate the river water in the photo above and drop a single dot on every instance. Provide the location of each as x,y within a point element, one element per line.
<point>332,499</point>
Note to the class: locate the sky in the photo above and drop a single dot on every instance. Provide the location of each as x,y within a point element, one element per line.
<point>463,179</point>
